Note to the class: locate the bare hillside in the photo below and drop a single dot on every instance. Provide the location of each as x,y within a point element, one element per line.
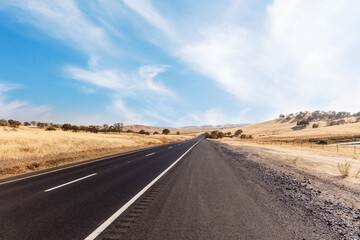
<point>316,124</point>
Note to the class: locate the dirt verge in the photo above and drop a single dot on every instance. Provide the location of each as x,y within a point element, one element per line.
<point>319,196</point>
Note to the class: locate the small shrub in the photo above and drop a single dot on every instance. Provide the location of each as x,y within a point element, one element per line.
<point>33,166</point>
<point>155,133</point>
<point>344,168</point>
<point>166,131</point>
<point>357,173</point>
<point>50,129</point>
<point>293,159</point>
<point>130,131</point>
<point>323,142</point>
<point>315,125</point>
<point>177,133</point>
<point>142,131</point>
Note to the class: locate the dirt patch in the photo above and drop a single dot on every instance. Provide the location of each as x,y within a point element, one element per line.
<point>320,196</point>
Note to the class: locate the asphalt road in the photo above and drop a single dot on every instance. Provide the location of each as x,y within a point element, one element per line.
<point>205,197</point>
<point>202,197</point>
<point>72,203</point>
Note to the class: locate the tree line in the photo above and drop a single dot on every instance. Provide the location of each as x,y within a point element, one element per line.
<point>117,127</point>
<point>218,134</point>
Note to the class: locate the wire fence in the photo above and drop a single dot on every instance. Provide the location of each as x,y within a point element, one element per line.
<point>332,148</point>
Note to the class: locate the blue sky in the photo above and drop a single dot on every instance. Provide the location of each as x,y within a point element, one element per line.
<point>176,63</point>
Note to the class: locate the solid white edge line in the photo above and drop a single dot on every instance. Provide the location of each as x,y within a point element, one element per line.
<point>103,226</point>
<point>149,154</point>
<point>76,180</point>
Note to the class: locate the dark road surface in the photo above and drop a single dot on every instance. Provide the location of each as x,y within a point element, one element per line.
<point>75,210</point>
<point>201,197</point>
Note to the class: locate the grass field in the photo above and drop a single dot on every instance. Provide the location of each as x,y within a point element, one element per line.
<point>277,129</point>
<point>283,140</point>
<point>29,148</point>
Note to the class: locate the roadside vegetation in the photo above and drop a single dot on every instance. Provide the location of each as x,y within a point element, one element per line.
<point>31,146</point>
<point>344,168</point>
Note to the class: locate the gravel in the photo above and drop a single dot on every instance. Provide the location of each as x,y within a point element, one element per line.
<point>309,194</point>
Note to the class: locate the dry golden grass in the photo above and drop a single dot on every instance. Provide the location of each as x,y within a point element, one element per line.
<point>277,129</point>
<point>29,148</point>
<point>315,162</point>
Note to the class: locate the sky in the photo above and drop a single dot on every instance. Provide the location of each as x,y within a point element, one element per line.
<point>177,63</point>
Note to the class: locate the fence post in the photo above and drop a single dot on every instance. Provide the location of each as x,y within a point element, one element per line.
<point>337,147</point>
<point>354,149</point>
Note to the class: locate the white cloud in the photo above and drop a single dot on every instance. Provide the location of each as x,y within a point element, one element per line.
<point>129,84</point>
<point>20,110</point>
<point>147,11</point>
<point>108,78</point>
<point>62,19</point>
<point>140,86</point>
<point>212,116</point>
<point>302,56</point>
<point>128,116</point>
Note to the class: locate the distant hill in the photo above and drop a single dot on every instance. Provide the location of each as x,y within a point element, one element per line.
<point>319,124</point>
<point>215,126</point>
<point>187,129</point>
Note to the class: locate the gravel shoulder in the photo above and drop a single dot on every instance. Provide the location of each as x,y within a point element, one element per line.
<point>327,198</point>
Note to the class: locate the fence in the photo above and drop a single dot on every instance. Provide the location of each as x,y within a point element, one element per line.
<point>338,148</point>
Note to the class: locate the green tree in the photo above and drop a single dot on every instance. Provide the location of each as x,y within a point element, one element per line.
<point>166,131</point>
<point>75,128</point>
<point>303,123</point>
<point>66,127</point>
<point>14,123</point>
<point>238,133</point>
<point>3,122</point>
<point>118,127</point>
